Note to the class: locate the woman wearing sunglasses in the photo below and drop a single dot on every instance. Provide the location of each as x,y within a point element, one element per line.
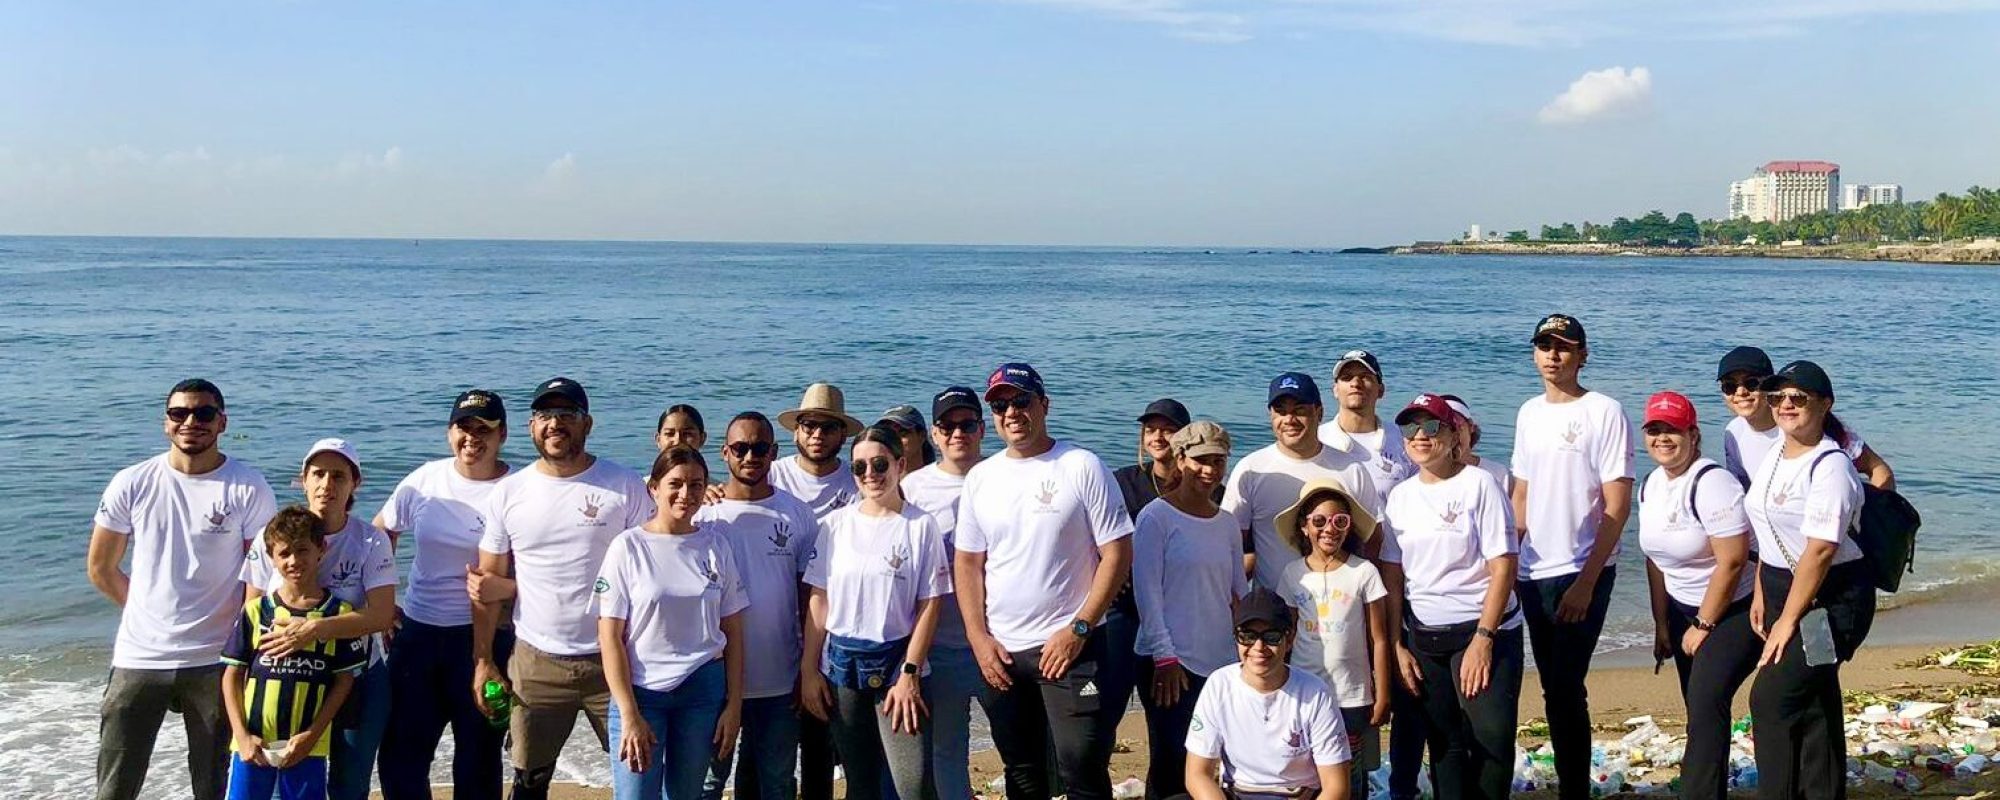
<point>1187,573</point>
<point>1448,549</point>
<point>1754,433</point>
<point>1274,732</point>
<point>1344,631</point>
<point>876,574</point>
<point>1814,599</point>
<point>1693,531</point>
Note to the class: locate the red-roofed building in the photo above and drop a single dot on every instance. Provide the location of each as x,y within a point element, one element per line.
<point>1781,190</point>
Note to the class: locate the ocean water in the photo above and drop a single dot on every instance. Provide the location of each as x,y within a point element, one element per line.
<point>370,340</point>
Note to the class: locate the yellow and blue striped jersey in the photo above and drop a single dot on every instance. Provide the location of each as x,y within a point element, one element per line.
<point>281,696</point>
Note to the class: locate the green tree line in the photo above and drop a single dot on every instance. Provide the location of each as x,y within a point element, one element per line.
<point>1973,214</point>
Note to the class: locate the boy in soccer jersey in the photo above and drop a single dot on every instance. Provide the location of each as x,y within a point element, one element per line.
<point>281,701</point>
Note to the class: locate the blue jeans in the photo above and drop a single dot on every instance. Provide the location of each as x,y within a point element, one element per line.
<point>683,723</point>
<point>353,757</point>
<point>305,780</point>
<point>430,674</point>
<point>950,690</point>
<point>766,755</point>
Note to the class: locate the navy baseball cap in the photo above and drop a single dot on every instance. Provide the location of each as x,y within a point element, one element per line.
<point>1264,605</point>
<point>561,387</point>
<point>1744,359</point>
<point>1560,326</point>
<point>478,404</point>
<point>1296,385</point>
<point>1362,357</point>
<point>954,397</point>
<point>1803,374</point>
<point>1169,409</point>
<point>1018,375</point>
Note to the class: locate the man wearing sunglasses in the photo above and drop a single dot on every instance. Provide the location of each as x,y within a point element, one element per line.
<point>550,525</point>
<point>1267,482</point>
<point>957,428</point>
<point>1572,492</point>
<point>186,516</point>
<point>1044,527</point>
<point>820,426</point>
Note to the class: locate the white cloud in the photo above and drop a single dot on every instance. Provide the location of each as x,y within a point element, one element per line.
<point>357,164</point>
<point>1182,18</point>
<point>560,170</point>
<point>1601,94</point>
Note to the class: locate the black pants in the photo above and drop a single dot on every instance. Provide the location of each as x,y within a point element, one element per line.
<point>430,681</point>
<point>1068,716</point>
<point>1166,735</point>
<point>1562,662</point>
<point>1795,709</point>
<point>1472,738</point>
<point>1406,740</point>
<point>816,759</point>
<point>1709,680</point>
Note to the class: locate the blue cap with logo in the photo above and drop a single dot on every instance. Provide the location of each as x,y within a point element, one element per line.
<point>1018,375</point>
<point>1296,385</point>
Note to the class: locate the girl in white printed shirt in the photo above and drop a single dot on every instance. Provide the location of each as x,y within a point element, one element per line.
<point>1344,626</point>
<point>670,606</point>
<point>1187,574</point>
<point>877,571</point>
<point>1694,533</point>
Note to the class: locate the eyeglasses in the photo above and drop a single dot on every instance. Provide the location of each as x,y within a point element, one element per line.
<point>1785,398</point>
<point>749,449</point>
<point>1429,427</point>
<point>1747,385</point>
<point>964,426</point>
<point>202,414</point>
<point>822,426</point>
<point>878,465</point>
<point>1339,522</point>
<point>1019,402</point>
<point>1270,637</point>
<point>557,414</point>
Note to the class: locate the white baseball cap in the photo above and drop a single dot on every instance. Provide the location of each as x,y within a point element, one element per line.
<point>333,445</point>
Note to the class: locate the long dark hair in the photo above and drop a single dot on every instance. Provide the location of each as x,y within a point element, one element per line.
<point>682,408</point>
<point>1838,432</point>
<point>883,435</point>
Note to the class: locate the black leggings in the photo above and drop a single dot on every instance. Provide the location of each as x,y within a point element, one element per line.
<point>1472,738</point>
<point>1562,662</point>
<point>1709,680</point>
<point>1795,709</point>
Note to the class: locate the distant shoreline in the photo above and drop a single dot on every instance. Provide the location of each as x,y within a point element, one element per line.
<point>1982,251</point>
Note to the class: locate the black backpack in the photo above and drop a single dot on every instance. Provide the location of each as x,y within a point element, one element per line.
<point>1886,531</point>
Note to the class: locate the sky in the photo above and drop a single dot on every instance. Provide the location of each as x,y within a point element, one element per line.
<point>1297,123</point>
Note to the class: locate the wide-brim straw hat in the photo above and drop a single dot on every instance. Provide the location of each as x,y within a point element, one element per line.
<point>824,399</point>
<point>1312,494</point>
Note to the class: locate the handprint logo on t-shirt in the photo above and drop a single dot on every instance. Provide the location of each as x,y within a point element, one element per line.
<point>1575,432</point>
<point>592,505</point>
<point>1048,493</point>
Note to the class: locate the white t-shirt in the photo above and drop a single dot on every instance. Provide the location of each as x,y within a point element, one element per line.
<point>821,494</point>
<point>557,529</point>
<point>1567,452</point>
<point>1388,462</point>
<point>875,571</point>
<point>186,535</point>
<point>358,560</point>
<point>441,514</point>
<point>1443,534</point>
<point>672,590</point>
<point>1500,473</point>
<point>1788,506</point>
<point>1186,573</point>
<point>937,492</point>
<point>1040,522</point>
<point>1333,625</point>
<point>1744,449</point>
<point>1675,529</point>
<point>773,538</point>
<point>1268,481</point>
<point>1276,739</point>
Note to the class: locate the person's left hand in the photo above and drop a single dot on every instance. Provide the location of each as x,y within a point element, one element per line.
<point>1168,684</point>
<point>1575,603</point>
<point>904,706</point>
<point>726,728</point>
<point>299,747</point>
<point>1475,668</point>
<point>1060,653</point>
<point>287,636</point>
<point>1691,641</point>
<point>1776,639</point>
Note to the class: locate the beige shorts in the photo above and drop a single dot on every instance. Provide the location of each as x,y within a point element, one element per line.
<point>549,690</point>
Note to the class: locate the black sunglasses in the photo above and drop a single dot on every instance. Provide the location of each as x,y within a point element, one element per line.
<point>1019,402</point>
<point>1270,637</point>
<point>748,449</point>
<point>203,414</point>
<point>1732,387</point>
<point>1429,427</point>
<point>965,426</point>
<point>878,465</point>
<point>822,425</point>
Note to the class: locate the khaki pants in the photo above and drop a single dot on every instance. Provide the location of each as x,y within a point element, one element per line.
<point>550,690</point>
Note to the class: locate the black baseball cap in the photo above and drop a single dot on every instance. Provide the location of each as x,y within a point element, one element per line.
<point>1361,357</point>
<point>1803,374</point>
<point>478,404</point>
<point>1169,408</point>
<point>1744,359</point>
<point>954,397</point>
<point>1264,605</point>
<point>561,387</point>
<point>1561,326</point>
<point>1296,385</point>
<point>1018,375</point>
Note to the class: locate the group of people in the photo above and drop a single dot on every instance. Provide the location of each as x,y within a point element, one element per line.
<point>850,601</point>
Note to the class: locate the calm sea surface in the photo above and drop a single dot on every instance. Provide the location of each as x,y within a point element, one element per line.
<point>370,340</point>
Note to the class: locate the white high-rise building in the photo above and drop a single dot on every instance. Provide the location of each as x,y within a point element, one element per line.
<point>1863,195</point>
<point>1781,190</point>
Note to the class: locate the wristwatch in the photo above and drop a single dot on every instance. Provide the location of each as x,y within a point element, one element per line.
<point>1079,627</point>
<point>1486,632</point>
<point>1701,624</point>
<point>909,668</point>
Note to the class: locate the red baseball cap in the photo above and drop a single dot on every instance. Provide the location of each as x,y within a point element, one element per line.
<point>1670,408</point>
<point>1434,405</point>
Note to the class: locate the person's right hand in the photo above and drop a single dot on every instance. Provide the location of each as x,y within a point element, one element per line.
<point>1407,669</point>
<point>250,748</point>
<point>815,694</point>
<point>1663,647</point>
<point>484,670</point>
<point>993,662</point>
<point>635,742</point>
<point>487,589</point>
<point>1757,613</point>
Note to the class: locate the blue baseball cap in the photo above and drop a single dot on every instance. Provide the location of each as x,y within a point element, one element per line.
<point>1296,385</point>
<point>1018,375</point>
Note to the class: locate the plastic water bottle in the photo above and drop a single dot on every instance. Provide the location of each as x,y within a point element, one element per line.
<point>498,702</point>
